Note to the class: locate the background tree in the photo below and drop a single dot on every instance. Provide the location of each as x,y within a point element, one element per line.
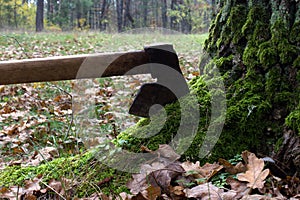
<point>119,8</point>
<point>40,15</point>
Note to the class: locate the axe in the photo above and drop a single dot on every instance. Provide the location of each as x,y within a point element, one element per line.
<point>169,86</point>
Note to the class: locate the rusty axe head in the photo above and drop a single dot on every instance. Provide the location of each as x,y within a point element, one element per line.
<point>170,85</point>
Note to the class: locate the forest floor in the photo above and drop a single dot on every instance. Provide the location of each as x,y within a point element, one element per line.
<point>41,155</point>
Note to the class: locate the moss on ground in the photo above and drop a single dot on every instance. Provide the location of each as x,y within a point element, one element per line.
<point>84,171</point>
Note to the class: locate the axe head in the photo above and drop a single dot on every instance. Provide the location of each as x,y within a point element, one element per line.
<point>155,93</point>
<point>151,94</point>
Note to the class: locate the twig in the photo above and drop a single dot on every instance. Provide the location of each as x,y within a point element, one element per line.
<point>53,190</point>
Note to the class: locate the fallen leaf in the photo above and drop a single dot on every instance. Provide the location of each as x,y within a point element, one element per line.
<point>152,192</point>
<point>205,191</point>
<point>163,177</point>
<point>166,151</point>
<point>206,172</point>
<point>192,169</point>
<point>255,175</point>
<point>138,183</point>
<point>240,188</point>
<point>12,193</point>
<point>209,170</point>
<point>45,154</point>
<point>32,185</point>
<point>231,169</point>
<point>177,191</point>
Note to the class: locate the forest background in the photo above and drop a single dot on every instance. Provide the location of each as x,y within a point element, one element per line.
<point>187,16</point>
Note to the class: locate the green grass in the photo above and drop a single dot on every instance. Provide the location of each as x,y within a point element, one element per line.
<point>45,44</point>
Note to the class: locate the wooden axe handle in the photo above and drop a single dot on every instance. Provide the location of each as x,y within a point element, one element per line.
<point>66,67</point>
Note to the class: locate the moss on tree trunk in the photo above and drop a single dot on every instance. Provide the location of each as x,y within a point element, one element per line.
<point>261,41</point>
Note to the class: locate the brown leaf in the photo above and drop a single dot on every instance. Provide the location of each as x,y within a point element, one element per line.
<point>177,191</point>
<point>231,169</point>
<point>13,193</point>
<point>238,187</point>
<point>138,183</point>
<point>32,185</point>
<point>245,155</point>
<point>209,170</point>
<point>30,197</point>
<point>166,151</point>
<point>229,195</point>
<point>163,177</point>
<point>45,154</point>
<point>152,193</point>
<point>205,191</point>
<point>192,167</point>
<point>255,175</point>
<point>56,186</point>
<point>139,196</point>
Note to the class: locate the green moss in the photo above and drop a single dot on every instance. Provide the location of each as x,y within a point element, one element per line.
<point>294,34</point>
<point>236,20</point>
<point>296,62</point>
<point>287,52</point>
<point>81,168</point>
<point>293,120</point>
<point>279,31</point>
<point>224,63</point>
<point>267,54</point>
<point>273,79</point>
<point>250,56</point>
<point>256,27</point>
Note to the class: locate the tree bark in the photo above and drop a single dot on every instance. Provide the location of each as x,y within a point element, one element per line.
<point>255,45</point>
<point>103,15</point>
<point>120,15</point>
<point>40,16</point>
<point>145,12</point>
<point>128,20</point>
<point>164,14</point>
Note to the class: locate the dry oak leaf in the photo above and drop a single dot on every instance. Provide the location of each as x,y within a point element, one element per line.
<point>209,170</point>
<point>205,191</point>
<point>231,169</point>
<point>255,175</point>
<point>240,188</point>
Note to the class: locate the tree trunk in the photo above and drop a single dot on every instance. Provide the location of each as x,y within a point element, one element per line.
<point>256,45</point>
<point>49,11</point>
<point>120,15</point>
<point>186,21</point>
<point>103,16</point>
<point>145,13</point>
<point>164,14</point>
<point>127,16</point>
<point>15,15</point>
<point>39,16</point>
<point>173,22</point>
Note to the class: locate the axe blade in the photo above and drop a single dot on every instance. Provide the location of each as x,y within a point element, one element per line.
<point>155,93</point>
